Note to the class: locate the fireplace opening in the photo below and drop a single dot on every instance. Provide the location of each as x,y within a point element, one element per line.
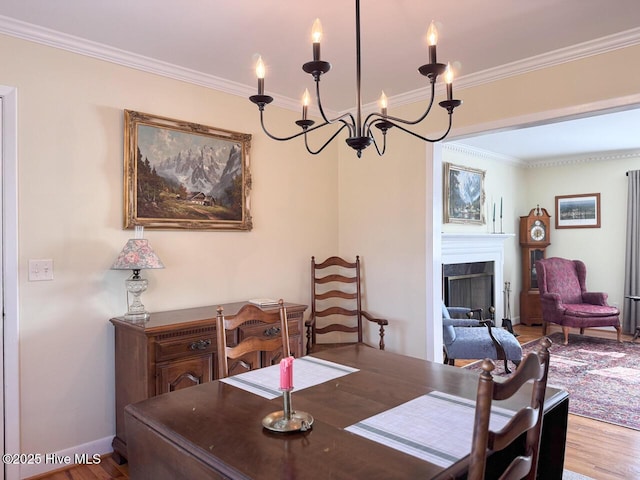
<point>469,285</point>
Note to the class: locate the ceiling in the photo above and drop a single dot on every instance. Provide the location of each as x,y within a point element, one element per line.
<point>222,39</point>
<point>592,137</point>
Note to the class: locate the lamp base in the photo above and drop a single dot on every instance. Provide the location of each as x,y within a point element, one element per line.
<point>137,317</point>
<point>135,286</point>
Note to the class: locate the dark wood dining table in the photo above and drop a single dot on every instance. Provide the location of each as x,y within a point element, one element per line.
<point>214,430</point>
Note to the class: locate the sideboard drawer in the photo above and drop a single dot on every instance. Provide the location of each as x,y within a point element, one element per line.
<point>185,347</point>
<point>266,331</point>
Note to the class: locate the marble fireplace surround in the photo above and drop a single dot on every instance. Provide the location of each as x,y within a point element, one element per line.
<point>479,247</point>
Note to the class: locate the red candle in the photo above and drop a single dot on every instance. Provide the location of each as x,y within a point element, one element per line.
<point>286,373</point>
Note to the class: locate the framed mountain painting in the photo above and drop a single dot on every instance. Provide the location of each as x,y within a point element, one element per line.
<point>182,175</point>
<point>463,195</point>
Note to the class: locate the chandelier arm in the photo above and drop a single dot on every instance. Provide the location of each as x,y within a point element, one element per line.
<point>370,120</point>
<point>431,140</point>
<point>312,152</point>
<point>284,139</point>
<point>324,116</point>
<point>424,115</point>
<point>375,144</point>
<point>351,125</point>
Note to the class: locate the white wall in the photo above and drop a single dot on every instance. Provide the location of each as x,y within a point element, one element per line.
<point>506,182</point>
<point>525,187</point>
<point>602,249</point>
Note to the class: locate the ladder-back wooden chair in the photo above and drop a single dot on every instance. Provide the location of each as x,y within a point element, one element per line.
<point>526,420</point>
<point>336,305</point>
<point>259,338</point>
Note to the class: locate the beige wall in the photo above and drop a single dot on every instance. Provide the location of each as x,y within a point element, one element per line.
<point>70,111</point>
<point>382,217</point>
<point>382,202</point>
<point>70,210</point>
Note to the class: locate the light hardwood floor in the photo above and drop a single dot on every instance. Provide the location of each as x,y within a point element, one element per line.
<point>596,449</point>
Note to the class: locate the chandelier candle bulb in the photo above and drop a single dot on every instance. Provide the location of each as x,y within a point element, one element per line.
<point>448,78</point>
<point>383,104</point>
<point>316,35</point>
<point>306,99</point>
<point>260,72</point>
<point>432,40</point>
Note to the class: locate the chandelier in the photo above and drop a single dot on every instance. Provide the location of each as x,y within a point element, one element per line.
<point>360,133</point>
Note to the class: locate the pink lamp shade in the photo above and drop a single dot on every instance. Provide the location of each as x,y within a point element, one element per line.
<point>137,254</point>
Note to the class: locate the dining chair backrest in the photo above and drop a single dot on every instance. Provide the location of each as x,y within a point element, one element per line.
<point>527,420</point>
<point>247,351</point>
<point>336,305</point>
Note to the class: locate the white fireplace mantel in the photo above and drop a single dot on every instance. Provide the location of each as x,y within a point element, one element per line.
<point>479,247</point>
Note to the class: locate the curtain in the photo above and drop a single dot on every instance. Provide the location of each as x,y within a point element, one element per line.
<point>632,255</point>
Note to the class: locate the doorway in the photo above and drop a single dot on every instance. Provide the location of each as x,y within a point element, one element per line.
<point>9,348</point>
<point>434,194</point>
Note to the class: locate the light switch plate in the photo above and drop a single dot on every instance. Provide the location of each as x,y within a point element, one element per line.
<point>40,270</point>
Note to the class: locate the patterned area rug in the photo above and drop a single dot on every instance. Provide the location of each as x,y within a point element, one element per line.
<point>602,377</point>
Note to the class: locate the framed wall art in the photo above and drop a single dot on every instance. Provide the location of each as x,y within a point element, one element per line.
<point>182,175</point>
<point>578,211</point>
<point>463,195</point>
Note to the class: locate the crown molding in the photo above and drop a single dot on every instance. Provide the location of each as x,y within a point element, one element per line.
<point>598,46</point>
<point>481,153</point>
<point>52,38</point>
<point>585,158</point>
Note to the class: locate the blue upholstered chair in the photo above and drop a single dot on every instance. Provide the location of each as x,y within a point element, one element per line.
<point>470,338</point>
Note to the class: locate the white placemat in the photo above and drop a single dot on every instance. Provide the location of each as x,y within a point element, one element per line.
<point>307,372</point>
<point>436,427</point>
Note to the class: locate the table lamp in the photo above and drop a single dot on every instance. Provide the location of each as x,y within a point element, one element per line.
<point>136,255</point>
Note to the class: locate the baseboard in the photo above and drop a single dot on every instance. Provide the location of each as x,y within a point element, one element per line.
<point>70,456</point>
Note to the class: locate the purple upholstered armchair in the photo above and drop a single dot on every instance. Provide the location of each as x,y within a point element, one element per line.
<point>565,300</point>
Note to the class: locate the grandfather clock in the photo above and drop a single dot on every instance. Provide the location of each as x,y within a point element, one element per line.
<point>534,239</point>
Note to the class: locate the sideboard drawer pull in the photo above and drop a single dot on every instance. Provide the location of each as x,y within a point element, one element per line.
<point>200,344</point>
<point>272,332</point>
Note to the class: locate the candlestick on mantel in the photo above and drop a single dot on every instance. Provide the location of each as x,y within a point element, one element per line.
<point>494,217</point>
<point>500,207</point>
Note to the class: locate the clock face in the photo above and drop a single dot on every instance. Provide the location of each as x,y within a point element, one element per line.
<point>537,231</point>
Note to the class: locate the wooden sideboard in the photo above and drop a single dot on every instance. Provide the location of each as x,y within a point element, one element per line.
<point>174,350</point>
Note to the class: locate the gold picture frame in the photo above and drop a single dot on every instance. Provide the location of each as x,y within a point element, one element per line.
<point>463,195</point>
<point>183,175</point>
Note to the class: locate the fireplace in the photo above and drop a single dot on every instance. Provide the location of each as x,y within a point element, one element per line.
<point>469,285</point>
<point>475,264</point>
